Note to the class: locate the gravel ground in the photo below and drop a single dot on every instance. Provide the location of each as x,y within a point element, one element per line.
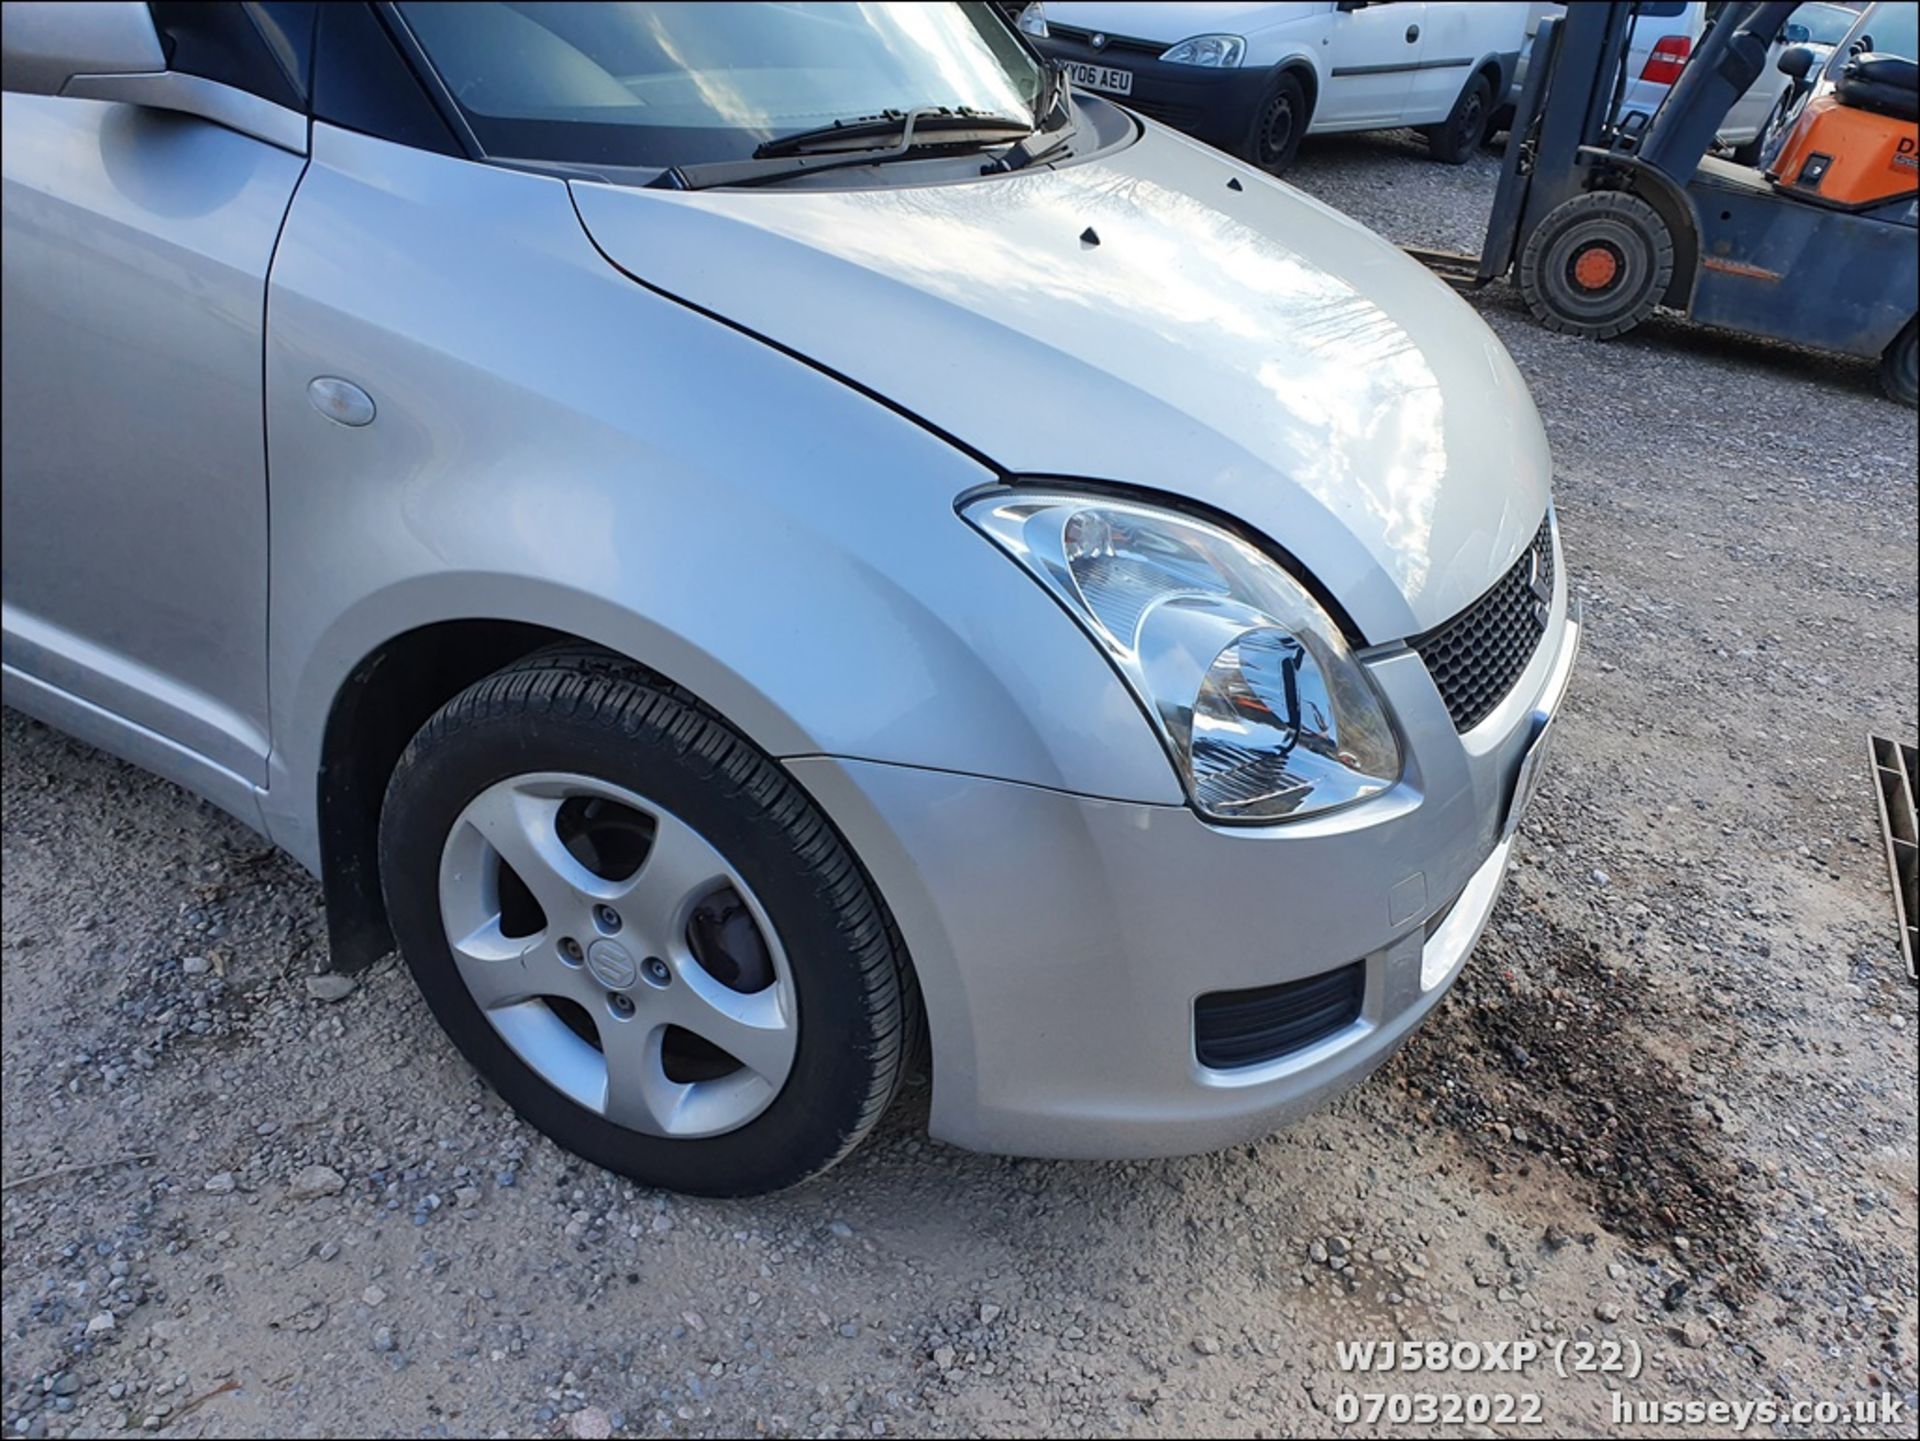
<point>1671,1104</point>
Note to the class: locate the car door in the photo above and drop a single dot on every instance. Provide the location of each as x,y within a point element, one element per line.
<point>1455,37</point>
<point>1369,55</point>
<point>137,244</point>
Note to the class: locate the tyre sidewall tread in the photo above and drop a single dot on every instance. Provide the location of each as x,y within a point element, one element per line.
<point>1446,142</point>
<point>589,712</point>
<point>1534,286</point>
<point>1251,150</point>
<point>1900,366</point>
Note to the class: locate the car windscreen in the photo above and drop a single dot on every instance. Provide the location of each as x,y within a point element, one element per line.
<point>1885,29</point>
<point>674,84</point>
<point>1824,24</point>
<point>1894,30</point>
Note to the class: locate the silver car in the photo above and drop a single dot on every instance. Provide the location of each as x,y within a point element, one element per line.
<point>754,540</point>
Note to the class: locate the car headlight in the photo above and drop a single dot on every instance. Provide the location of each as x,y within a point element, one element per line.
<point>1221,52</point>
<point>1033,20</point>
<point>1249,683</point>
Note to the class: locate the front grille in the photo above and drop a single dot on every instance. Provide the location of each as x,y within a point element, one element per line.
<point>1180,117</point>
<point>1244,1028</point>
<point>1476,657</point>
<point>1116,44</point>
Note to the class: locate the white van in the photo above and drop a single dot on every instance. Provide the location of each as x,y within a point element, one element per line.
<point>1254,78</point>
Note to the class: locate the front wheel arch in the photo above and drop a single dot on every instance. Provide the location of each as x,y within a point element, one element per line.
<point>1469,119</point>
<point>1309,79</point>
<point>1293,83</point>
<point>378,706</point>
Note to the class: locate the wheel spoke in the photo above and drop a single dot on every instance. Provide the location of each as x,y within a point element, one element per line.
<point>638,1093</point>
<point>522,828</point>
<point>753,1029</point>
<point>617,949</point>
<point>500,969</point>
<point>679,869</point>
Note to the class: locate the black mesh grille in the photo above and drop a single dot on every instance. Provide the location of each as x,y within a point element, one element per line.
<point>1116,44</point>
<point>1244,1028</point>
<point>1476,657</point>
<point>1180,117</point>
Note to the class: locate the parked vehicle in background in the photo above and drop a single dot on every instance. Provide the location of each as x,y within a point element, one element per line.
<point>742,594</point>
<point>1599,229</point>
<point>1662,37</point>
<point>1821,27</point>
<point>1817,29</point>
<point>1889,27</point>
<point>1253,79</point>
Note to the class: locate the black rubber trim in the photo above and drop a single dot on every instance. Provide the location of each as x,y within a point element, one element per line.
<point>1232,1029</point>
<point>363,82</point>
<point>221,42</point>
<point>1464,60</point>
<point>1860,207</point>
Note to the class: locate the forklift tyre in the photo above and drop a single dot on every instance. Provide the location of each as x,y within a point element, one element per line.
<point>1900,366</point>
<point>1597,265</point>
<point>1462,132</point>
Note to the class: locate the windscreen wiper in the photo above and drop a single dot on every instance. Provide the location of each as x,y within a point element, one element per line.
<point>844,135</point>
<point>1043,142</point>
<point>926,128</point>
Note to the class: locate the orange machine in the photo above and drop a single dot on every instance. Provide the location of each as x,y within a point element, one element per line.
<point>1841,154</point>
<point>1601,221</point>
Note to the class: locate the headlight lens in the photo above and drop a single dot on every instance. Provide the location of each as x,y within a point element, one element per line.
<point>1250,684</point>
<point>1033,20</point>
<point>1221,52</point>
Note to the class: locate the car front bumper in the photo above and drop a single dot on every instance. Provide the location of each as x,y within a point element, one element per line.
<point>1216,106</point>
<point>1061,941</point>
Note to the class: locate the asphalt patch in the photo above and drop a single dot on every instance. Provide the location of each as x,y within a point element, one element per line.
<point>1541,1056</point>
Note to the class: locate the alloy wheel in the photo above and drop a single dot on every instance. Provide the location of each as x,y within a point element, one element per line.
<point>619,954</point>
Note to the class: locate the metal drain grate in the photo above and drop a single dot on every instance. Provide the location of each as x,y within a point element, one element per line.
<point>1896,775</point>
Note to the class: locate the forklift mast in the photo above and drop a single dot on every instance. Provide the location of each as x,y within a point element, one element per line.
<point>1731,57</point>
<point>1566,105</point>
<point>1564,120</point>
<point>1601,220</point>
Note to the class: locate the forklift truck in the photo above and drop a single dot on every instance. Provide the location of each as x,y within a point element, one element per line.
<point>1601,220</point>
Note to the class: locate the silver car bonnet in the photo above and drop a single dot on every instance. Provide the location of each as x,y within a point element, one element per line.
<point>1137,319</point>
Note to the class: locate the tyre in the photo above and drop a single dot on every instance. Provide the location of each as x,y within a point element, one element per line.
<point>1278,124</point>
<point>1465,129</point>
<point>1900,366</point>
<point>640,931</point>
<point>1597,265</point>
<point>1755,149</point>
